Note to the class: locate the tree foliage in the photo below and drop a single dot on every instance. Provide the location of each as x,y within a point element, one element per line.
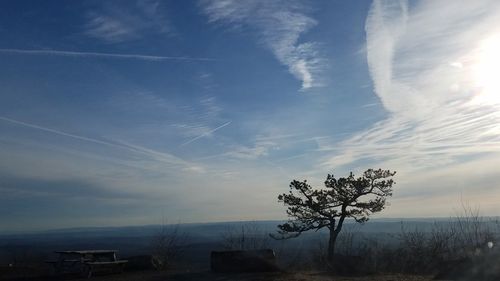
<point>346,197</point>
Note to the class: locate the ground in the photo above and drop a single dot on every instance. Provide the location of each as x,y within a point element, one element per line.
<point>209,276</point>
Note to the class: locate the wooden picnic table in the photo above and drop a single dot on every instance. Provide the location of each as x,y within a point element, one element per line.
<point>88,262</point>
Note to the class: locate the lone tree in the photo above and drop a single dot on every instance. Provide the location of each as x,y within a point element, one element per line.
<point>349,197</point>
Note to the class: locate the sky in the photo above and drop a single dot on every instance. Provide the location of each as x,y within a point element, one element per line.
<point>133,112</point>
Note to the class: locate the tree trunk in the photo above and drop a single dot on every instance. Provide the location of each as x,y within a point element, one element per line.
<point>331,244</point>
<point>334,233</point>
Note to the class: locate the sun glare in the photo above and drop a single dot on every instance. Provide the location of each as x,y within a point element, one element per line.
<point>486,72</point>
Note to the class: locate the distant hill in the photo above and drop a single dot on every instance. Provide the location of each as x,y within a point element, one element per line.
<point>389,225</point>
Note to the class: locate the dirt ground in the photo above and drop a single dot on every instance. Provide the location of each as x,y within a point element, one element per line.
<point>209,276</point>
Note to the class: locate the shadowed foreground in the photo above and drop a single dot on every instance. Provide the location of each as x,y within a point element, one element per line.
<point>271,276</point>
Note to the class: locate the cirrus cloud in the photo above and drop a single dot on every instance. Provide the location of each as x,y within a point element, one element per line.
<point>279,25</point>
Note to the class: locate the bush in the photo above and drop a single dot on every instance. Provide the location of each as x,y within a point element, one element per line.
<point>465,238</point>
<point>167,246</point>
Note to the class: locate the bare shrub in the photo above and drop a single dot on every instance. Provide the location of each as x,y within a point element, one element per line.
<point>378,255</point>
<point>473,231</point>
<point>248,236</point>
<point>167,246</point>
<point>465,236</point>
<point>414,250</point>
<point>439,242</point>
<point>346,241</point>
<point>319,258</point>
<point>291,255</point>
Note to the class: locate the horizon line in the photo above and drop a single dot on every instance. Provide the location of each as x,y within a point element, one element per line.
<point>14,232</point>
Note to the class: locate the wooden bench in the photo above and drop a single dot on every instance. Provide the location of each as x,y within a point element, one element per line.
<point>88,262</point>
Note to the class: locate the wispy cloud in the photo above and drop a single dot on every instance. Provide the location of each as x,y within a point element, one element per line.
<point>197,119</point>
<point>100,55</point>
<point>280,25</point>
<point>180,122</point>
<point>109,28</point>
<point>14,186</point>
<point>435,118</point>
<point>119,23</point>
<point>153,154</point>
<point>263,146</point>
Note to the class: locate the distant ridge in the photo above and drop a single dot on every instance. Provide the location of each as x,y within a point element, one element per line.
<point>374,225</point>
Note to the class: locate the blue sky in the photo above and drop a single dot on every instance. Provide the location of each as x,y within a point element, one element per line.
<point>124,112</point>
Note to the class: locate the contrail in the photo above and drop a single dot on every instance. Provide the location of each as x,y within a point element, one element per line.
<point>100,55</point>
<point>58,132</point>
<point>206,134</point>
<point>160,156</point>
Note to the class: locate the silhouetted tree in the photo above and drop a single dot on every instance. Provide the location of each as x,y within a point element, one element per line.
<point>349,197</point>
